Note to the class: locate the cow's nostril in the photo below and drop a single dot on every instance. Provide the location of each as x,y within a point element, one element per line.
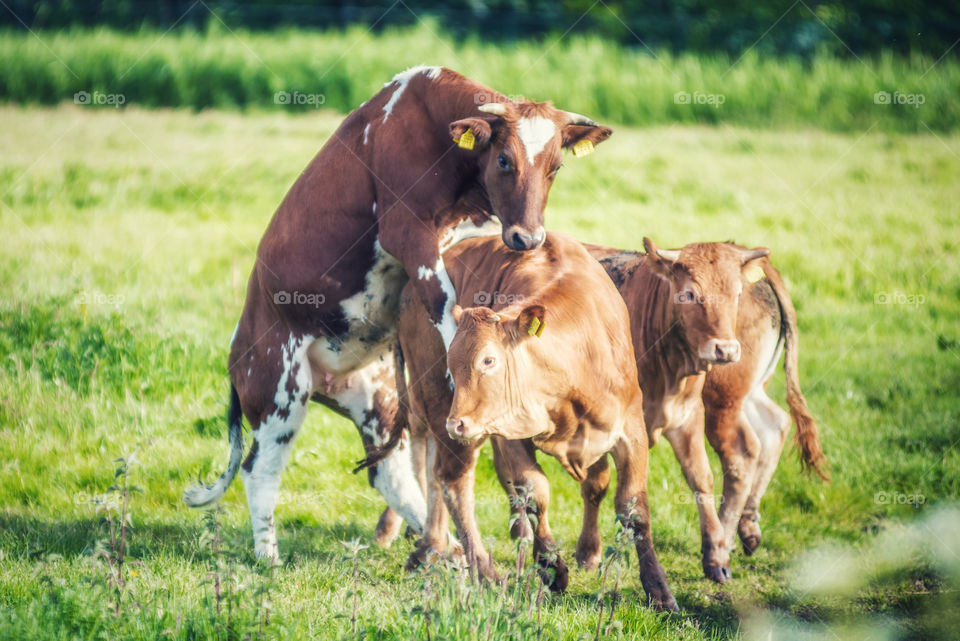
<point>720,353</point>
<point>518,240</point>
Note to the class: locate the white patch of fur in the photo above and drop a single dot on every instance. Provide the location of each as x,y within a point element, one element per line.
<point>395,478</point>
<point>535,133</point>
<point>371,314</point>
<point>397,483</point>
<point>467,229</point>
<point>402,79</point>
<point>366,133</point>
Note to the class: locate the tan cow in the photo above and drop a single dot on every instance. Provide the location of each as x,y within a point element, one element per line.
<point>551,360</point>
<point>691,309</point>
<point>431,156</point>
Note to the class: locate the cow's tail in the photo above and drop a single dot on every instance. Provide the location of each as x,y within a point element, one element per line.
<point>204,495</point>
<point>808,441</point>
<point>376,453</point>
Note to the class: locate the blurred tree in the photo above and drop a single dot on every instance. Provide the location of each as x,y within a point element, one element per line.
<point>798,27</point>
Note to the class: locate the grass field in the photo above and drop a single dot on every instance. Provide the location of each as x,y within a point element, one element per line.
<point>127,240</point>
<point>227,69</point>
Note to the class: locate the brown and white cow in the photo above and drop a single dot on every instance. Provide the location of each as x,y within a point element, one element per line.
<point>691,309</point>
<point>550,359</point>
<point>373,209</point>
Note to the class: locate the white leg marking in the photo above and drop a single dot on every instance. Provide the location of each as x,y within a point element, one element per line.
<point>273,440</point>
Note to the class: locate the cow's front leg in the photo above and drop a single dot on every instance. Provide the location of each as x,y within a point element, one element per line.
<point>418,250</point>
<point>592,490</point>
<point>455,468</point>
<point>688,444</point>
<point>630,459</point>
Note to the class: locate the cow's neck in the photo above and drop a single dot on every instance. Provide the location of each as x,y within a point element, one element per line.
<point>664,357</point>
<point>448,102</point>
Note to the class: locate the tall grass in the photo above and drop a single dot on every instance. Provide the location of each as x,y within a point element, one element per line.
<point>634,86</point>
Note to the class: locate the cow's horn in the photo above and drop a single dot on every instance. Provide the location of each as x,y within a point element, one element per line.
<point>495,108</point>
<point>578,119</point>
<point>673,255</point>
<point>746,255</point>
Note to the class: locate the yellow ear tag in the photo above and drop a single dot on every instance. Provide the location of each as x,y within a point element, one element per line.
<point>753,273</point>
<point>535,328</point>
<point>466,140</point>
<point>583,148</point>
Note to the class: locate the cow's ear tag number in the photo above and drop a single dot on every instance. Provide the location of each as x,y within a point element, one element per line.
<point>535,328</point>
<point>583,148</point>
<point>466,140</point>
<point>754,273</point>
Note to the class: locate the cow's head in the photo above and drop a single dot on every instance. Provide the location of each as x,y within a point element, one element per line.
<point>706,280</point>
<point>517,146</point>
<point>485,359</point>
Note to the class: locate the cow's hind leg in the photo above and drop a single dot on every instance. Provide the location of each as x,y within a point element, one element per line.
<point>275,424</point>
<point>770,423</point>
<point>369,397</point>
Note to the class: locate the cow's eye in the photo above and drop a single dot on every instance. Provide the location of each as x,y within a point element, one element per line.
<point>489,362</point>
<point>554,172</point>
<point>686,296</point>
<point>504,163</point>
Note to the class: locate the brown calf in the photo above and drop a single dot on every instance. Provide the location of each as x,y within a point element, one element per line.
<point>549,360</point>
<point>374,208</point>
<point>691,309</point>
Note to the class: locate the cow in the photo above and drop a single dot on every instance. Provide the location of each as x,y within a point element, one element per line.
<point>431,156</point>
<point>542,351</point>
<point>709,323</point>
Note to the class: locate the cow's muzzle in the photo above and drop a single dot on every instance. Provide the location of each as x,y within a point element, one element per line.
<point>517,238</point>
<point>720,351</point>
<point>458,429</point>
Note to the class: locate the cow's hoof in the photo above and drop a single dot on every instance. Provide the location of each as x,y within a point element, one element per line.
<point>716,573</point>
<point>555,575</point>
<point>750,543</point>
<point>665,604</point>
<point>521,529</point>
<point>422,553</point>
<point>587,556</point>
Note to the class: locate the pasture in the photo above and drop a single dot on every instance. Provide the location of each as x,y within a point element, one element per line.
<point>128,237</point>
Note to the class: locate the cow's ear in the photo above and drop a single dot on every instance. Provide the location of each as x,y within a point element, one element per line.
<point>457,314</point>
<point>471,133</point>
<point>583,138</point>
<point>661,261</point>
<point>751,266</point>
<point>530,322</point>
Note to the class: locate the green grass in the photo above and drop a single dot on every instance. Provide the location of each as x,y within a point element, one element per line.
<point>128,237</point>
<point>634,86</point>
